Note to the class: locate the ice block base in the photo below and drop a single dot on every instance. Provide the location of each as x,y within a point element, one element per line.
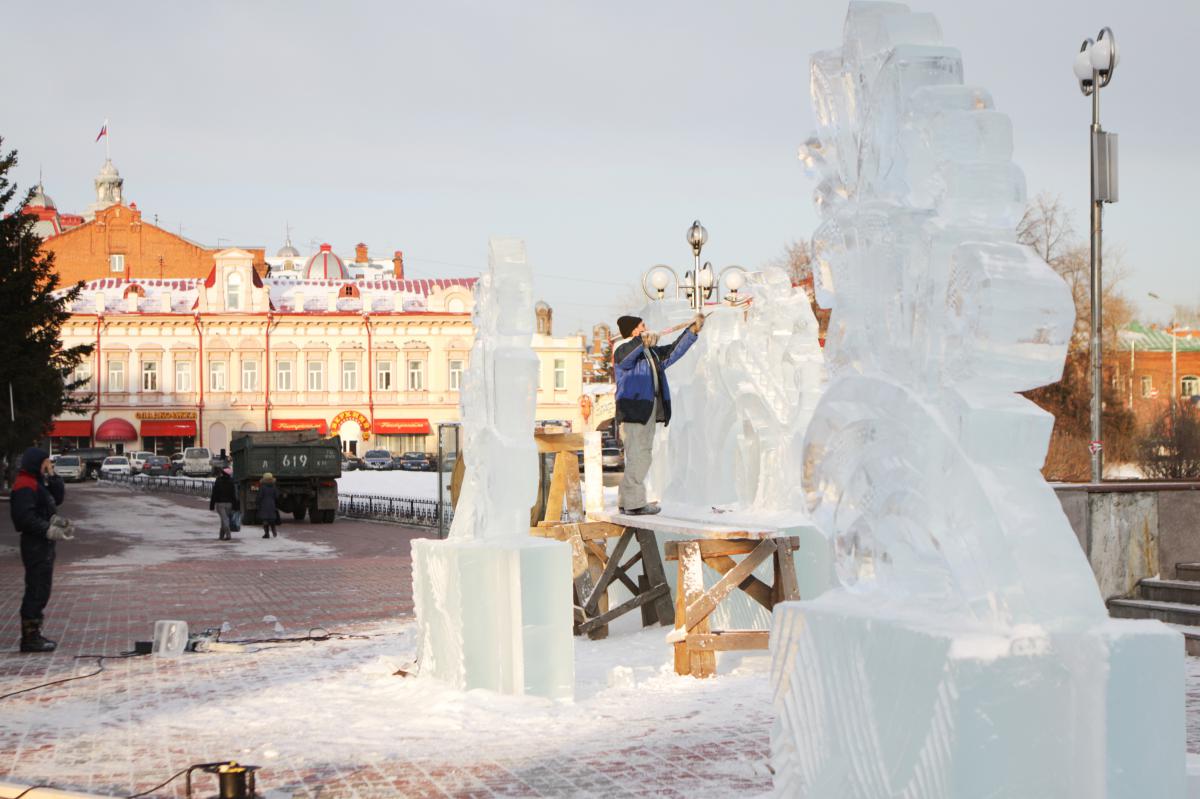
<point>496,614</point>
<point>872,701</point>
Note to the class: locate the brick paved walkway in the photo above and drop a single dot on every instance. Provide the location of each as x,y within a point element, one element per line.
<point>330,719</point>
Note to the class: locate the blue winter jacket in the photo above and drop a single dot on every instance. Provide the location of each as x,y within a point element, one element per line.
<point>635,385</point>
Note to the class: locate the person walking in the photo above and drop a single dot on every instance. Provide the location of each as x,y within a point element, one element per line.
<point>36,494</point>
<point>643,400</point>
<point>224,501</point>
<point>268,501</point>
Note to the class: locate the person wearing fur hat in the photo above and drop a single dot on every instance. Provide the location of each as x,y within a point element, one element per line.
<point>643,400</point>
<point>268,501</point>
<point>36,494</point>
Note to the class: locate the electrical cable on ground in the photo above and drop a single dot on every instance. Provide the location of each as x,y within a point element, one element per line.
<point>99,663</point>
<point>325,635</point>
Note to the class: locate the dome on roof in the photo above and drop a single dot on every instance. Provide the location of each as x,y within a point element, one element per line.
<point>40,198</point>
<point>288,251</point>
<point>108,170</point>
<point>325,265</point>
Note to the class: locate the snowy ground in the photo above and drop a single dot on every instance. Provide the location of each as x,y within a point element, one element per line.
<point>420,485</point>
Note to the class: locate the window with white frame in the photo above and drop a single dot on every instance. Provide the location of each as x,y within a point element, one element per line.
<point>149,375</point>
<point>283,375</point>
<point>116,375</point>
<point>416,375</point>
<point>216,376</point>
<point>456,370</point>
<point>183,375</point>
<point>116,263</point>
<point>249,375</point>
<point>1189,386</point>
<point>81,376</point>
<point>316,376</point>
<point>560,374</point>
<point>1147,386</point>
<point>349,375</point>
<point>233,292</point>
<point>383,375</point>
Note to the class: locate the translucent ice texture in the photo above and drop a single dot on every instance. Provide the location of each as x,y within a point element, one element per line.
<point>966,629</point>
<point>499,402</point>
<point>492,603</point>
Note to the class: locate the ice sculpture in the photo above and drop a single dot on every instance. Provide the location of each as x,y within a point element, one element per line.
<point>492,603</point>
<point>741,401</point>
<point>965,650</point>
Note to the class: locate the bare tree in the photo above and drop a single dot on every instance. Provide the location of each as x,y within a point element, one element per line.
<point>796,261</point>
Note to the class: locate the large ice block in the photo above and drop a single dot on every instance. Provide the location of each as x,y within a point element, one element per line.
<point>495,614</point>
<point>964,649</point>
<point>873,703</point>
<point>493,605</point>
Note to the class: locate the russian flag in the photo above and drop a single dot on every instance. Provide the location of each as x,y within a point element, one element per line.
<point>103,131</point>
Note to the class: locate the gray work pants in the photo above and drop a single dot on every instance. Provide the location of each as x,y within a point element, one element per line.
<point>639,445</point>
<point>224,510</point>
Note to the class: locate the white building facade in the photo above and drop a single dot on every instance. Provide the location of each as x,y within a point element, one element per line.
<point>377,361</point>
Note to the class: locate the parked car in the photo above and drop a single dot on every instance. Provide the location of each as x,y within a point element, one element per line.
<point>137,460</point>
<point>176,464</point>
<point>416,462</point>
<point>116,464</point>
<point>197,462</point>
<point>157,466</point>
<point>378,460</point>
<point>70,468</point>
<point>612,459</point>
<point>351,462</point>
<point>92,458</point>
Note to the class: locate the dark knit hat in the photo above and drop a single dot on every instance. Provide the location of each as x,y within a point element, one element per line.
<point>31,461</point>
<point>626,325</point>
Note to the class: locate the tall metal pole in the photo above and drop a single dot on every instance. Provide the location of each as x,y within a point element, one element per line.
<point>1096,344</point>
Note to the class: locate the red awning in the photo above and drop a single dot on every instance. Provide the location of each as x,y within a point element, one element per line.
<point>300,424</point>
<point>384,427</point>
<point>116,430</point>
<point>169,427</point>
<point>77,428</point>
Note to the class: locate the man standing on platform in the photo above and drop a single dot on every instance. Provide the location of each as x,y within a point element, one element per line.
<point>643,400</point>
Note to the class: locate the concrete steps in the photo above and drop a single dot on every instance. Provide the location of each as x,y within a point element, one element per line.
<point>1175,602</point>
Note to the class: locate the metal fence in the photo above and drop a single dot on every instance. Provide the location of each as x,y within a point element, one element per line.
<point>402,510</point>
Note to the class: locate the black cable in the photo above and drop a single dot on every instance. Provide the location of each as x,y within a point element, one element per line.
<point>172,778</point>
<point>325,635</point>
<point>99,663</point>
<point>32,788</point>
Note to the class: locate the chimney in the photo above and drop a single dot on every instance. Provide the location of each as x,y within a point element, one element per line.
<point>360,253</point>
<point>398,265</point>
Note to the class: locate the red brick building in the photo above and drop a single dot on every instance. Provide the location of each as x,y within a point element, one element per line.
<point>1150,374</point>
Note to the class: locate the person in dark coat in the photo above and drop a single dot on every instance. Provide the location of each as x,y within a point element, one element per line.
<point>36,494</point>
<point>643,400</point>
<point>268,501</point>
<point>224,500</point>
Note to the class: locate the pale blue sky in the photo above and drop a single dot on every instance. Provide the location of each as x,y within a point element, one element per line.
<point>595,130</point>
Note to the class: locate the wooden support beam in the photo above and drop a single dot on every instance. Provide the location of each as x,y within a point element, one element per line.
<point>610,568</point>
<point>698,609</point>
<point>690,592</point>
<point>604,618</point>
<point>786,586</point>
<point>759,591</point>
<point>652,568</point>
<point>728,640</point>
<point>558,489</point>
<point>574,496</point>
<point>559,442</point>
<point>708,548</point>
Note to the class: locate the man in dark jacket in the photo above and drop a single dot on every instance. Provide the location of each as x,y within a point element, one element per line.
<point>224,501</point>
<point>36,494</point>
<point>643,400</point>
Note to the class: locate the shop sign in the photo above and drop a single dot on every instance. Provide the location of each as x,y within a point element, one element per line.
<point>364,423</point>
<point>164,415</point>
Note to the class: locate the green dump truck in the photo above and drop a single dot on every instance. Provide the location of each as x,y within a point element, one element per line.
<point>306,466</point>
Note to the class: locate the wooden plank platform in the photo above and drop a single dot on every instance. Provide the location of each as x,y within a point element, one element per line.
<point>692,528</point>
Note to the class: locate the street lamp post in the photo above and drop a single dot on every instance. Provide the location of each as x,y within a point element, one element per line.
<point>1094,66</point>
<point>700,282</point>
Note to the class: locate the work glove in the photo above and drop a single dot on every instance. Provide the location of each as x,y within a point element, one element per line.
<point>61,529</point>
<point>698,324</point>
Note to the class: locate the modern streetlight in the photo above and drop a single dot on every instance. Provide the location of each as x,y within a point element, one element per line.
<point>1094,66</point>
<point>699,283</point>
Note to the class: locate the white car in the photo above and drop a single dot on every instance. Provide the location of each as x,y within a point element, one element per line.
<point>197,462</point>
<point>116,464</point>
<point>69,467</point>
<point>137,460</point>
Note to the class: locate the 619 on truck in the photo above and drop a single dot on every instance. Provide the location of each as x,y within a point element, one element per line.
<point>306,467</point>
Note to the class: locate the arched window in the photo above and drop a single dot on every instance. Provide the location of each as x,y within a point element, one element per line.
<point>1189,386</point>
<point>233,292</point>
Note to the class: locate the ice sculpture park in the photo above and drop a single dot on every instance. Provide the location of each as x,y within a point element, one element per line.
<point>964,650</point>
<point>491,601</point>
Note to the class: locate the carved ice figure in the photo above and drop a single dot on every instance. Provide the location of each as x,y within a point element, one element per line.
<point>492,603</point>
<point>966,650</point>
<point>741,400</point>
